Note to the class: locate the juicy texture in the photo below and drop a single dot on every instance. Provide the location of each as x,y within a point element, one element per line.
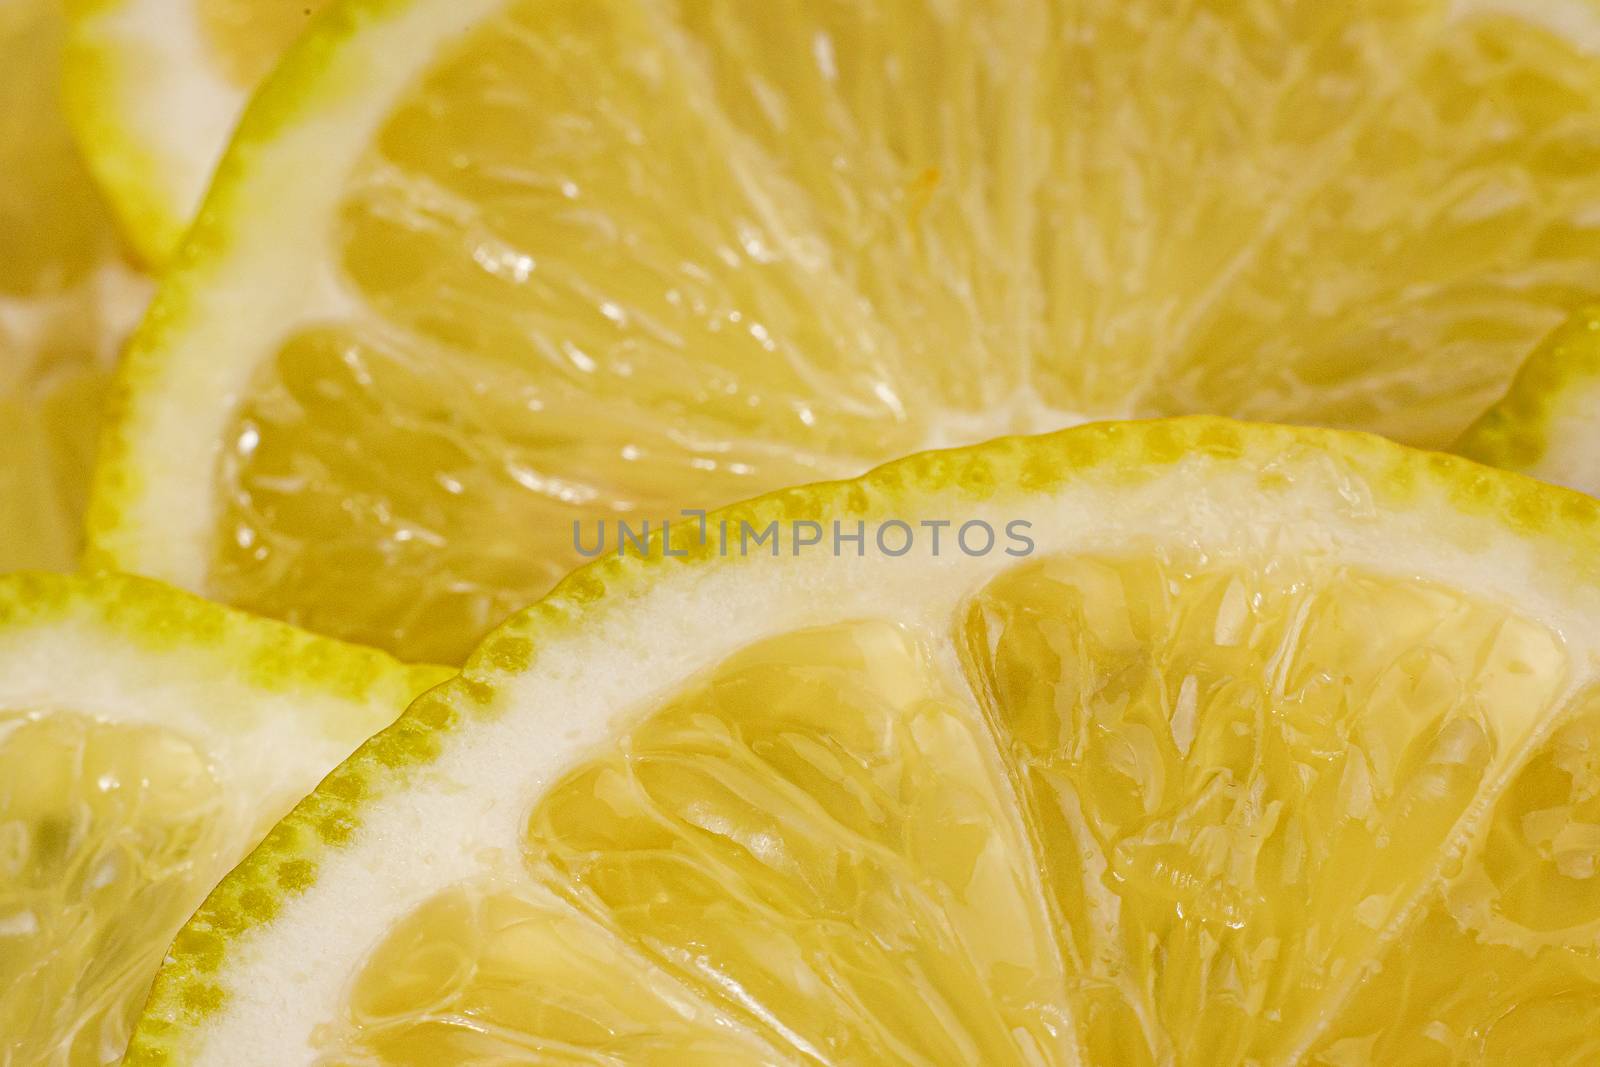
<point>611,259</point>
<point>68,296</point>
<point>1138,808</point>
<point>492,971</point>
<point>110,834</point>
<point>1257,784</point>
<point>147,741</point>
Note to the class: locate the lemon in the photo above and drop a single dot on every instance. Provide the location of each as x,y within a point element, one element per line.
<point>68,298</point>
<point>475,270</point>
<point>1233,745</point>
<point>1545,425</point>
<point>147,741</point>
<point>155,88</point>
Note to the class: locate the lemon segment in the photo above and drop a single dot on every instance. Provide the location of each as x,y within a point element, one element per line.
<point>116,830</point>
<point>790,837</point>
<point>820,833</point>
<point>489,970</point>
<point>484,270</point>
<point>1275,732</point>
<point>1255,821</point>
<point>147,741</point>
<point>1501,964</point>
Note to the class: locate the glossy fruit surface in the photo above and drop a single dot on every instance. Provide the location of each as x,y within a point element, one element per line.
<point>1277,748</point>
<point>147,741</point>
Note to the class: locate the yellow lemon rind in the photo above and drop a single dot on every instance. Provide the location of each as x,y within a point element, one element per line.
<point>1529,543</point>
<point>158,620</point>
<point>147,513</point>
<point>97,75</point>
<point>268,708</point>
<point>1559,380</point>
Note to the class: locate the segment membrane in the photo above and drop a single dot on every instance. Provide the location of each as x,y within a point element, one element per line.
<point>1505,965</point>
<point>110,835</point>
<point>818,836</point>
<point>493,973</point>
<point>1445,230</point>
<point>488,529</point>
<point>653,254</point>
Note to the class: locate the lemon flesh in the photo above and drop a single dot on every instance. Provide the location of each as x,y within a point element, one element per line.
<point>114,830</point>
<point>819,839</point>
<point>68,298</point>
<point>147,741</point>
<point>576,261</point>
<point>1258,760</point>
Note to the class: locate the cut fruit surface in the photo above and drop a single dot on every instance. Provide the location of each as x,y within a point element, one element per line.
<point>155,88</point>
<point>1546,424</point>
<point>147,741</point>
<point>1260,746</point>
<point>68,298</point>
<point>476,270</point>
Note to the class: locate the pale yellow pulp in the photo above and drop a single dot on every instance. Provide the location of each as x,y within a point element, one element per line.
<point>613,257</point>
<point>110,836</point>
<point>1142,810</point>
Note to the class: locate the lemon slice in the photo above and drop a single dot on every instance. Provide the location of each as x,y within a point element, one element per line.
<point>155,88</point>
<point>1545,425</point>
<point>68,299</point>
<point>147,741</point>
<point>477,269</point>
<point>1232,745</point>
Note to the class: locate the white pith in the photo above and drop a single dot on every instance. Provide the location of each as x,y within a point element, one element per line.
<point>259,288</point>
<point>167,94</point>
<point>464,814</point>
<point>267,748</point>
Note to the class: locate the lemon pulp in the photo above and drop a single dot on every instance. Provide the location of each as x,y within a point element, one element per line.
<point>1130,809</point>
<point>606,260</point>
<point>111,834</point>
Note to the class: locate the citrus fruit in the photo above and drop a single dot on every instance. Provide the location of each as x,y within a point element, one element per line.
<point>1545,425</point>
<point>68,297</point>
<point>147,740</point>
<point>155,88</point>
<point>1232,745</point>
<point>477,269</point>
